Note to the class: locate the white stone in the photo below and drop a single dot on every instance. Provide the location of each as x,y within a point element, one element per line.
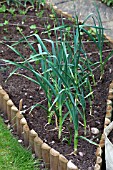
<point>19,141</point>
<point>94,130</point>
<point>6,121</point>
<point>81,154</point>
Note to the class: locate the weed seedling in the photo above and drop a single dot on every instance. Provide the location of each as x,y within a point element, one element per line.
<point>40,14</point>
<point>34,27</point>
<point>12,11</point>
<point>22,12</point>
<point>3,9</point>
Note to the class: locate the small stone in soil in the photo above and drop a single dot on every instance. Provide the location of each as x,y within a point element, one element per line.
<point>31,32</point>
<point>52,143</point>
<point>81,154</point>
<point>6,121</point>
<point>90,168</point>
<point>95,111</point>
<point>109,70</point>
<point>93,137</point>
<point>32,19</point>
<point>42,165</point>
<point>24,106</point>
<point>97,122</point>
<point>97,139</point>
<point>19,141</point>
<point>41,92</point>
<point>45,140</point>
<point>94,131</point>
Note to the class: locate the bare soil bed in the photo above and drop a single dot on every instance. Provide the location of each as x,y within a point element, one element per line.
<point>20,88</point>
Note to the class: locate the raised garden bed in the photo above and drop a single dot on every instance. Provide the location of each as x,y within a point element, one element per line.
<point>20,88</point>
<point>52,158</point>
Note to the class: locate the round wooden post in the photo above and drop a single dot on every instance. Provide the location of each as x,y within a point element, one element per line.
<point>46,154</point>
<point>71,166</point>
<point>38,147</point>
<point>99,151</point>
<point>32,135</point>
<point>110,91</point>
<point>9,105</point>
<point>14,111</point>
<point>5,99</point>
<point>99,160</point>
<point>97,167</point>
<point>26,135</point>
<point>107,121</point>
<point>54,159</point>
<point>111,85</point>
<point>110,96</point>
<point>62,163</point>
<point>19,116</point>
<point>22,123</point>
<point>102,141</point>
<point>2,93</point>
<point>108,111</point>
<point>109,102</point>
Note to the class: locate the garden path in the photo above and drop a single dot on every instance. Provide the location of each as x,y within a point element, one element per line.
<point>85,7</point>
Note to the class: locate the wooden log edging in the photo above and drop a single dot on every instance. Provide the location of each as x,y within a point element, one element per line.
<point>50,5</point>
<point>106,123</point>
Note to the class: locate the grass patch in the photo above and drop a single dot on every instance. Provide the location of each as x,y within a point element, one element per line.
<point>12,155</point>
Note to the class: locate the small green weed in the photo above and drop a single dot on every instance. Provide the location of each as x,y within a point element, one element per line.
<point>108,2</point>
<point>3,9</point>
<point>12,11</point>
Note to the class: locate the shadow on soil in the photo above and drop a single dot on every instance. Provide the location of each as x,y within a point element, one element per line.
<point>103,160</point>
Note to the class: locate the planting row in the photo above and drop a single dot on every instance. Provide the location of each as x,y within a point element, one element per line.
<point>52,159</point>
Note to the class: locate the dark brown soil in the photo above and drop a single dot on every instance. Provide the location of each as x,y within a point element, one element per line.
<point>20,88</point>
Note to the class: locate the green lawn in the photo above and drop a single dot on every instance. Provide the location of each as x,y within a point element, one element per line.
<point>12,155</point>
